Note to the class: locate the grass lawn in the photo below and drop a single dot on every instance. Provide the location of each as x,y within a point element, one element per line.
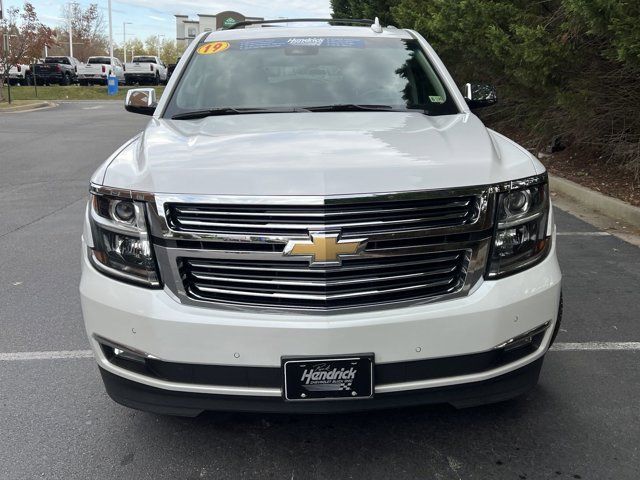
<point>72,92</point>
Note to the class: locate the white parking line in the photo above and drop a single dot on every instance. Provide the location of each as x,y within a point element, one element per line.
<point>74,354</point>
<point>585,234</point>
<point>591,346</point>
<point>59,355</point>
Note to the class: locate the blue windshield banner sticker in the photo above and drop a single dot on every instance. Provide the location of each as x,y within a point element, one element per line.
<point>301,42</point>
<point>345,42</point>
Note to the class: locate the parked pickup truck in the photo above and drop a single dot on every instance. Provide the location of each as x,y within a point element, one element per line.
<point>61,70</point>
<point>171,68</point>
<point>97,69</point>
<point>315,220</point>
<point>145,70</point>
<point>19,75</point>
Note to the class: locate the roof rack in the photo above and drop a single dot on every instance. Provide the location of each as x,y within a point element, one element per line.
<point>363,21</point>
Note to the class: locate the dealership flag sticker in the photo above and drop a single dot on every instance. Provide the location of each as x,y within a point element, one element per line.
<point>213,47</point>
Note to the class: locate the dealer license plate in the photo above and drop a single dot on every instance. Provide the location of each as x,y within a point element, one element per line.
<point>340,377</point>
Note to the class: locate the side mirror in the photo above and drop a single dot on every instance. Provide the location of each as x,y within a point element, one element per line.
<point>141,100</point>
<point>480,95</point>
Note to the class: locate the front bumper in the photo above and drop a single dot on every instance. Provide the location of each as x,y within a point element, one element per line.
<point>166,402</point>
<point>153,322</point>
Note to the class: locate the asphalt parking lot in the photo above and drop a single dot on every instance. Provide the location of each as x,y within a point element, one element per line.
<point>581,422</point>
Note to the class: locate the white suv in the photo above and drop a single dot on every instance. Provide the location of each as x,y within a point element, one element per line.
<point>315,221</point>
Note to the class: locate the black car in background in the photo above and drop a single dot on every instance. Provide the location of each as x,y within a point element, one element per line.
<point>171,67</point>
<point>60,70</point>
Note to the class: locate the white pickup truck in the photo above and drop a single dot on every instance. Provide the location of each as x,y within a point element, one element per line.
<point>97,69</point>
<point>19,75</point>
<point>145,69</point>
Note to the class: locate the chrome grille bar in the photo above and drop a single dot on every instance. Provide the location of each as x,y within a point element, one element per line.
<point>205,225</point>
<point>320,283</point>
<point>232,211</point>
<point>320,297</point>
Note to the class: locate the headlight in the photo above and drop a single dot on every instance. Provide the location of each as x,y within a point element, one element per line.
<point>120,242</point>
<point>521,237</point>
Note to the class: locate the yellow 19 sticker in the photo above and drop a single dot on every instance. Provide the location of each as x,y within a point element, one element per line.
<point>213,47</point>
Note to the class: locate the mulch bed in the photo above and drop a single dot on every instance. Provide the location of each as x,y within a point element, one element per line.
<point>596,174</point>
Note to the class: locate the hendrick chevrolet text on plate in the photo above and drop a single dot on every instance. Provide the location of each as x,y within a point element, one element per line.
<point>314,220</point>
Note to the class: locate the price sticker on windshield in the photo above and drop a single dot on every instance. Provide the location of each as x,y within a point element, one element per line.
<point>213,47</point>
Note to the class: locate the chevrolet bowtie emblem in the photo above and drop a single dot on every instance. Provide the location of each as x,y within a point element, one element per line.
<point>325,249</point>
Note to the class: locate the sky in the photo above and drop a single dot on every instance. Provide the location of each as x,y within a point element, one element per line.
<point>156,17</point>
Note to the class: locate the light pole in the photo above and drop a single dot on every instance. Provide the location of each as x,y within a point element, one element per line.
<point>159,44</point>
<point>110,39</point>
<point>71,13</point>
<point>124,39</point>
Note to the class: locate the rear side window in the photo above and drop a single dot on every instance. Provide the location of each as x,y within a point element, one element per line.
<point>311,71</point>
<point>144,60</point>
<point>62,60</point>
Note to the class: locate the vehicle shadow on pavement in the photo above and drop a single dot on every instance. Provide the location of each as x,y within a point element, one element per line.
<point>438,440</point>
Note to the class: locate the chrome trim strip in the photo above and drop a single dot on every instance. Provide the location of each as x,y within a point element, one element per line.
<point>531,333</point>
<point>314,199</point>
<point>109,343</point>
<point>121,193</point>
<point>319,297</point>
<point>294,213</point>
<point>324,270</point>
<point>320,283</point>
<point>311,226</point>
<point>528,218</point>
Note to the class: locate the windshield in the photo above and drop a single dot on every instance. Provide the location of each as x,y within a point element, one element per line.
<point>63,60</point>
<point>310,71</point>
<point>144,60</point>
<point>99,60</point>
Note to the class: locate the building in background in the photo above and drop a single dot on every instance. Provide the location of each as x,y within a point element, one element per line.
<point>187,30</point>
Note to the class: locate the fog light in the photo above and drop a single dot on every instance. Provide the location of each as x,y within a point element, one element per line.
<point>127,355</point>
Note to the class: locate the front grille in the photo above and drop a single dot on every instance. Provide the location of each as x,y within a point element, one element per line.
<point>230,251</point>
<point>293,284</point>
<point>355,218</point>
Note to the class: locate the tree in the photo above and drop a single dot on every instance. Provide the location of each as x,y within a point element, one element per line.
<point>88,29</point>
<point>169,52</point>
<point>364,9</point>
<point>564,68</point>
<point>26,39</point>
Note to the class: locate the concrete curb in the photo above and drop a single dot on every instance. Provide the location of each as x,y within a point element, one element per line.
<point>609,206</point>
<point>28,107</point>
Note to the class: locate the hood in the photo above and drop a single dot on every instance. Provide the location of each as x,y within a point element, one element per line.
<point>328,153</point>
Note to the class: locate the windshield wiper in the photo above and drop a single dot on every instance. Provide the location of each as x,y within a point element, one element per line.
<point>349,107</point>
<point>212,112</point>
